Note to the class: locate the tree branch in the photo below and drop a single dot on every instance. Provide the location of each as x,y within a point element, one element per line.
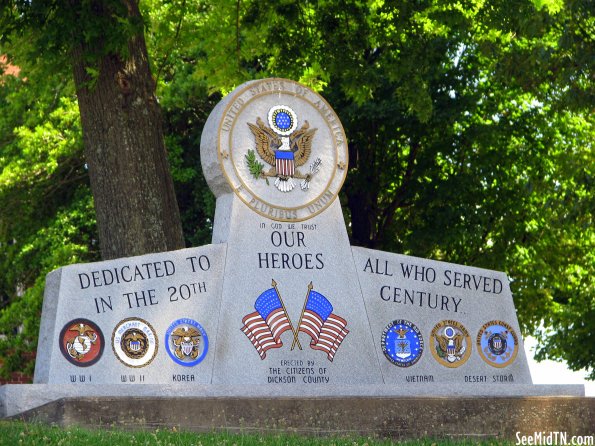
<point>388,215</point>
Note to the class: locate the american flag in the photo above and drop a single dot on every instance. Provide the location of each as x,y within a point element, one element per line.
<point>265,326</point>
<point>326,329</point>
<point>284,163</point>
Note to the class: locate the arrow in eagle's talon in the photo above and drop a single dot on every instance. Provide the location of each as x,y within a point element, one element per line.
<point>305,184</point>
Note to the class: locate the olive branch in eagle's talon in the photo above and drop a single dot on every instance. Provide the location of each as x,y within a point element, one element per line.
<point>255,167</point>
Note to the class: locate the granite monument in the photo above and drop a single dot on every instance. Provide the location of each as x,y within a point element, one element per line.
<point>280,303</point>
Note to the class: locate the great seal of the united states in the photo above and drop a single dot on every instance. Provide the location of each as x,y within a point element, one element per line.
<point>277,145</point>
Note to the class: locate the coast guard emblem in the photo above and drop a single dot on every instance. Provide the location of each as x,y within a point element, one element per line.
<point>134,342</point>
<point>284,148</point>
<point>186,342</point>
<point>402,343</point>
<point>497,343</point>
<point>81,342</point>
<point>450,343</point>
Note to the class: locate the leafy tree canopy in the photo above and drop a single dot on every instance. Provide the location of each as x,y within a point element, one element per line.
<point>469,123</point>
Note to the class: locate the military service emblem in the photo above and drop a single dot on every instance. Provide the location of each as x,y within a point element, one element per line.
<point>450,343</point>
<point>402,343</point>
<point>134,342</point>
<point>294,138</point>
<point>186,342</point>
<point>81,342</point>
<point>497,343</point>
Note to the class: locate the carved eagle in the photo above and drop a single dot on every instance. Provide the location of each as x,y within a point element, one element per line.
<point>186,332</point>
<point>458,341</point>
<point>267,142</point>
<point>284,152</point>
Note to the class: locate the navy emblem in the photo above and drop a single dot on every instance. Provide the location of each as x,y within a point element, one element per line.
<point>134,342</point>
<point>450,343</point>
<point>81,342</point>
<point>497,343</point>
<point>284,148</point>
<point>402,343</point>
<point>186,342</point>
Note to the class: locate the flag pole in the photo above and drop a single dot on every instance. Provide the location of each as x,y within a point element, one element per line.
<point>295,339</point>
<point>274,284</point>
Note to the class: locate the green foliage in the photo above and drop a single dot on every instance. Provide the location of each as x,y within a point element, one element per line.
<point>29,434</point>
<point>55,28</point>
<point>47,217</point>
<point>186,105</point>
<point>470,132</point>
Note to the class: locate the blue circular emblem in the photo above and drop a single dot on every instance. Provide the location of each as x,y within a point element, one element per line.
<point>402,343</point>
<point>186,342</point>
<point>283,120</point>
<point>497,343</point>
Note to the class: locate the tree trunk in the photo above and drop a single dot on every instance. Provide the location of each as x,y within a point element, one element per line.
<point>135,202</point>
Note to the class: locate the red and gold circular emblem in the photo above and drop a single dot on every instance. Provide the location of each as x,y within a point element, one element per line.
<point>81,342</point>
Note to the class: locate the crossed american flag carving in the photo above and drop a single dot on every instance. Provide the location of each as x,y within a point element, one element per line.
<point>265,326</point>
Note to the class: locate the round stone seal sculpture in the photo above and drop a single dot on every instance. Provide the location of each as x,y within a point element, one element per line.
<point>277,145</point>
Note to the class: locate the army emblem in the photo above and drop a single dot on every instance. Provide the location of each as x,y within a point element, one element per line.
<point>278,146</point>
<point>186,342</point>
<point>81,342</point>
<point>134,342</point>
<point>450,343</point>
<point>284,148</point>
<point>402,343</point>
<point>497,343</point>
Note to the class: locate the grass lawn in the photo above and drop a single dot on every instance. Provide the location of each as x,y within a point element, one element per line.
<point>13,433</point>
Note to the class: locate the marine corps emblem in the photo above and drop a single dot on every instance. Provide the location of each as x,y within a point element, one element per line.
<point>450,343</point>
<point>81,342</point>
<point>134,342</point>
<point>284,148</point>
<point>186,342</point>
<point>402,343</point>
<point>497,343</point>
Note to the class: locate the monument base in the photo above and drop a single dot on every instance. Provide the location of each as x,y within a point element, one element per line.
<point>16,399</point>
<point>210,409</point>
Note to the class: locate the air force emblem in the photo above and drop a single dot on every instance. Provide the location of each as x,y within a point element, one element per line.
<point>402,343</point>
<point>284,148</point>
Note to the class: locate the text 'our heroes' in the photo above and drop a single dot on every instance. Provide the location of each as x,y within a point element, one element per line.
<point>292,255</point>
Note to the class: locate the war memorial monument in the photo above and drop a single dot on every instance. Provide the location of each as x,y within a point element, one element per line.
<point>280,311</point>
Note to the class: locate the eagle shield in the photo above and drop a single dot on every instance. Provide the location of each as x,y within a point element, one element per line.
<point>284,147</point>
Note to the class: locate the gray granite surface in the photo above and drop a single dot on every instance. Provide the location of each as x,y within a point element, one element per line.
<point>17,398</point>
<point>293,255</point>
<point>156,288</point>
<point>429,293</point>
<point>280,304</point>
